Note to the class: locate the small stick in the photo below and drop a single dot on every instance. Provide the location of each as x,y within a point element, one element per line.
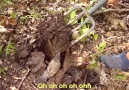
<point>23,79</point>
<point>112,10</point>
<point>51,48</point>
<point>35,86</point>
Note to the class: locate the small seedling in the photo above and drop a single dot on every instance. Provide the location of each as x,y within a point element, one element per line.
<point>120,77</point>
<point>34,13</point>
<point>3,70</point>
<point>1,50</point>
<point>13,14</point>
<point>83,30</point>
<point>96,36</point>
<point>10,48</point>
<point>5,3</point>
<point>93,65</point>
<point>73,15</point>
<point>9,2</point>
<point>101,46</point>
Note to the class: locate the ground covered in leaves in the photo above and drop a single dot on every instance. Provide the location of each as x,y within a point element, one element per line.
<point>32,31</point>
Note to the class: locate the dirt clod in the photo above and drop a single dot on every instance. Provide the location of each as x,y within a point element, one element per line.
<point>54,30</point>
<point>36,60</point>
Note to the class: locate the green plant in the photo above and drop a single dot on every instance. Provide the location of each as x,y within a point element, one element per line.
<point>9,2</point>
<point>13,14</point>
<point>101,46</point>
<point>10,48</point>
<point>34,13</point>
<point>73,15</point>
<point>1,50</point>
<point>83,30</point>
<point>3,70</point>
<point>96,36</point>
<point>93,64</point>
<point>5,3</point>
<point>120,77</point>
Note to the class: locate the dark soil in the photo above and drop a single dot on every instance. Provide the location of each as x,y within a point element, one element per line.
<point>55,34</point>
<point>38,40</point>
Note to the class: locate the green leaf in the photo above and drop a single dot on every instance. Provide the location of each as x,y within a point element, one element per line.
<point>14,15</point>
<point>9,2</point>
<point>3,70</point>
<point>120,77</point>
<point>96,36</point>
<point>102,46</point>
<point>93,65</point>
<point>34,13</point>
<point>75,35</point>
<point>37,15</point>
<point>10,48</point>
<point>73,15</point>
<point>1,49</point>
<point>84,26</point>
<point>82,31</point>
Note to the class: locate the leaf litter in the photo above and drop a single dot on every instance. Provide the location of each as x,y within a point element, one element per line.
<point>37,40</point>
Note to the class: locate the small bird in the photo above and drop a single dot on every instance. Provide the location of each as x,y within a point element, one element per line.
<point>52,69</point>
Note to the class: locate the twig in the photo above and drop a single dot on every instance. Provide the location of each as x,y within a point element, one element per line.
<point>126,6</point>
<point>35,86</point>
<point>85,78</point>
<point>23,79</point>
<point>112,47</point>
<point>113,80</point>
<point>112,10</point>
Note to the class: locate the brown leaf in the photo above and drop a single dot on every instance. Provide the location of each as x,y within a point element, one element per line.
<point>112,2</point>
<point>117,23</point>
<point>3,20</point>
<point>7,21</point>
<point>123,24</point>
<point>12,21</point>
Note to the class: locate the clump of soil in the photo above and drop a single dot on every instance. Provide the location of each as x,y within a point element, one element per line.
<point>55,33</point>
<point>79,76</point>
<point>36,60</point>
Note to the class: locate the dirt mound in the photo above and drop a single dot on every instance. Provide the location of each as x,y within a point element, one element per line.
<point>54,30</point>
<point>80,76</point>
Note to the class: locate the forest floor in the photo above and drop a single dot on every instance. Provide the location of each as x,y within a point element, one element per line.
<point>33,30</point>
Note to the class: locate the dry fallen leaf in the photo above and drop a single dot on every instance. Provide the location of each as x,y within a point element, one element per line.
<point>112,2</point>
<point>3,20</point>
<point>12,21</point>
<point>123,24</point>
<point>7,21</point>
<point>118,24</point>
